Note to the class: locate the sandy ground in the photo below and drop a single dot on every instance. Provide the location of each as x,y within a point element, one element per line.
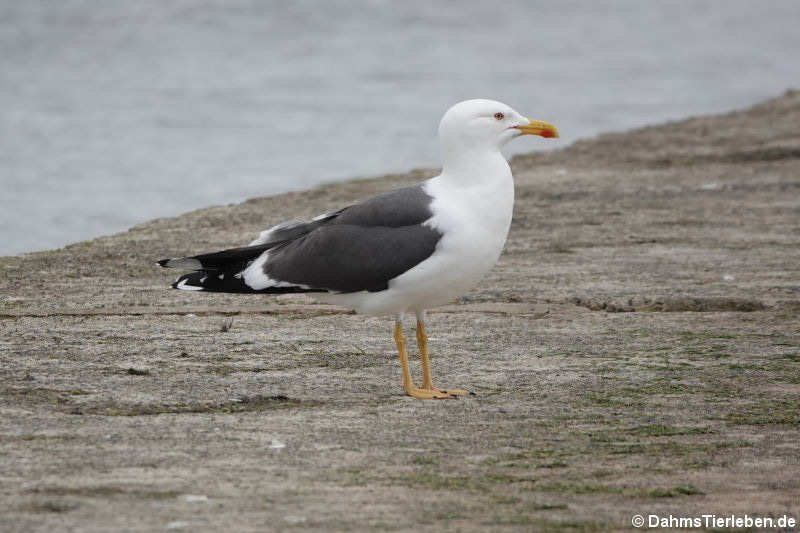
<point>635,351</point>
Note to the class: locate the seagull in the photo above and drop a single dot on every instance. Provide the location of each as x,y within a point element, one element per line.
<point>402,251</point>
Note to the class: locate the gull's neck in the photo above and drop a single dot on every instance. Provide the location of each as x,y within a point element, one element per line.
<point>465,168</point>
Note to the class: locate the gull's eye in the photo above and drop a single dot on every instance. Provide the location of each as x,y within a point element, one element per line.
<point>499,116</point>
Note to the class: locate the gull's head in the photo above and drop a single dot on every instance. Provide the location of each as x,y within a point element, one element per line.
<point>486,125</point>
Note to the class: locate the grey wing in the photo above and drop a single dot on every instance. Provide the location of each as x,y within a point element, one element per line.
<point>361,247</point>
<point>394,209</point>
<point>350,258</point>
<point>292,229</point>
<point>401,207</point>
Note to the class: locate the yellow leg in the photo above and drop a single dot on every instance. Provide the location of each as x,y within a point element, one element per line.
<point>422,343</point>
<point>408,383</point>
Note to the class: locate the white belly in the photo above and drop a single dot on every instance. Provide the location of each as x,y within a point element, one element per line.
<point>474,222</point>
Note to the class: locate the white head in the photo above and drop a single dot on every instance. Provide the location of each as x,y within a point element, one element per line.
<point>485,125</point>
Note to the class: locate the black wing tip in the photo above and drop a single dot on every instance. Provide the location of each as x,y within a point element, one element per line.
<point>209,282</point>
<point>194,281</point>
<point>184,263</point>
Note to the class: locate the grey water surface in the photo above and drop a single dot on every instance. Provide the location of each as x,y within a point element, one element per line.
<point>116,112</point>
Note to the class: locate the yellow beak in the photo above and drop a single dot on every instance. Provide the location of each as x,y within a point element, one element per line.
<point>538,127</point>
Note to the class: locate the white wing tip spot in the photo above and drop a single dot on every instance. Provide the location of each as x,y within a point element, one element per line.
<point>184,287</point>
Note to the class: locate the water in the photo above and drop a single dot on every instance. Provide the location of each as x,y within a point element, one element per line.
<point>113,113</point>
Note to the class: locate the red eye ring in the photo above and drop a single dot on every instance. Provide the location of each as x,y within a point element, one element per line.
<point>499,116</point>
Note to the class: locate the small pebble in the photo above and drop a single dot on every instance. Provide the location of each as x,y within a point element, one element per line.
<point>196,498</point>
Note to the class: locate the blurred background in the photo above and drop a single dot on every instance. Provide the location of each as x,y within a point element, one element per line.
<point>116,112</point>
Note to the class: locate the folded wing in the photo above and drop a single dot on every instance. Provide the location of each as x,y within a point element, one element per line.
<point>358,248</point>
